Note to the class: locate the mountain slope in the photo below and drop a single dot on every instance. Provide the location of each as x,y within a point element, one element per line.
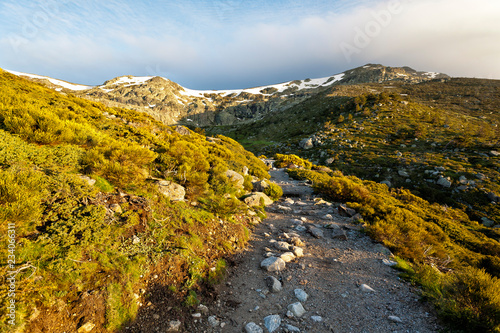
<point>98,202</point>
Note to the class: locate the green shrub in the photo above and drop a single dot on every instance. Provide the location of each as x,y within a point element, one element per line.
<point>283,161</point>
<point>273,191</point>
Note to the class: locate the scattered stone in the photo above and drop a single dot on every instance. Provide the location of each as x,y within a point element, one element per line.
<point>282,246</point>
<point>292,328</point>
<point>272,322</point>
<point>196,315</point>
<point>287,256</point>
<point>273,284</point>
<point>254,199</point>
<point>487,222</point>
<point>316,232</point>
<point>89,181</point>
<point>327,217</point>
<point>389,262</point>
<point>445,182</point>
<point>298,251</point>
<point>493,197</point>
<point>297,309</point>
<point>297,241</point>
<point>395,319</point>
<point>403,173</point>
<point>494,153</point>
<point>174,326</point>
<point>245,171</point>
<point>236,178</point>
<point>135,240</point>
<point>253,328</point>
<point>296,221</point>
<point>212,321</point>
<point>171,190</point>
<point>301,295</point>
<point>346,211</point>
<point>366,288</point>
<point>481,176</point>
<point>306,143</point>
<point>273,264</point>
<point>87,327</point>
<point>203,309</point>
<point>116,208</point>
<point>463,180</point>
<point>289,201</point>
<point>386,182</point>
<point>339,234</point>
<point>317,319</point>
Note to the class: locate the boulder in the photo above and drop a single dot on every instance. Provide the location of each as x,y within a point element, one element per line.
<point>260,186</point>
<point>236,178</point>
<point>171,190</point>
<point>254,199</point>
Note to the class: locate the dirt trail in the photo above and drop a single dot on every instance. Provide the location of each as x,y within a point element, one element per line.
<point>349,287</point>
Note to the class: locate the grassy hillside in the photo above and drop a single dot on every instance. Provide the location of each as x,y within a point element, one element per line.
<point>82,210</point>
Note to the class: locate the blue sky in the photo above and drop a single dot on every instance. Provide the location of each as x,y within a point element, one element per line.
<point>225,44</point>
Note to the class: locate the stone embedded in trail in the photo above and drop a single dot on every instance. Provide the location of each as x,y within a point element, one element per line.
<point>212,320</point>
<point>297,309</point>
<point>289,201</point>
<point>301,295</point>
<point>298,251</point>
<point>273,284</point>
<point>389,262</point>
<point>253,328</point>
<point>297,241</point>
<point>327,217</point>
<point>318,233</point>
<point>317,319</point>
<point>395,319</point>
<point>292,328</point>
<point>339,234</point>
<point>272,322</point>
<point>282,246</point>
<point>273,264</point>
<point>174,326</point>
<point>346,211</point>
<point>287,256</point>
<point>366,288</point>
<point>296,221</point>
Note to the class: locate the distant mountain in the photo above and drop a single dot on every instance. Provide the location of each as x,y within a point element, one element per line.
<point>171,103</point>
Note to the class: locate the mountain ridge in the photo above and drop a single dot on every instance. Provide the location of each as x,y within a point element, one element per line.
<point>172,103</point>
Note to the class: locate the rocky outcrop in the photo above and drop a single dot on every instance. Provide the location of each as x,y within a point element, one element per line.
<point>236,178</point>
<point>254,199</point>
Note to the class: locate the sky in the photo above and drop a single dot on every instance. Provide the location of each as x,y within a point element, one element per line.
<point>231,44</point>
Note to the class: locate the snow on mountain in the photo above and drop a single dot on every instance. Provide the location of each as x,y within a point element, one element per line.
<point>63,84</point>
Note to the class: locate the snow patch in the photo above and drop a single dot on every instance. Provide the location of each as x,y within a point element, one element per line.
<point>64,84</point>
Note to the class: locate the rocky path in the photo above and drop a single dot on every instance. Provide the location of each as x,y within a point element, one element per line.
<point>329,277</point>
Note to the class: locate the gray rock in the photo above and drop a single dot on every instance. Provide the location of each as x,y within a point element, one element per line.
<point>236,178</point>
<point>388,262</point>
<point>272,322</point>
<point>366,288</point>
<point>273,264</point>
<point>212,321</point>
<point>493,197</point>
<point>494,153</point>
<point>171,190</point>
<point>306,143</point>
<point>339,234</point>
<point>296,309</point>
<point>487,222</point>
<point>445,182</point>
<point>273,284</point>
<point>253,328</point>
<point>203,309</point>
<point>174,326</point>
<point>463,180</point>
<point>481,176</point>
<point>282,246</point>
<point>317,319</point>
<point>386,182</point>
<point>292,328</point>
<point>254,199</point>
<point>346,211</point>
<point>403,173</point>
<point>260,186</point>
<point>318,233</point>
<point>330,161</point>
<point>395,319</point>
<point>301,295</point>
<point>245,171</point>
